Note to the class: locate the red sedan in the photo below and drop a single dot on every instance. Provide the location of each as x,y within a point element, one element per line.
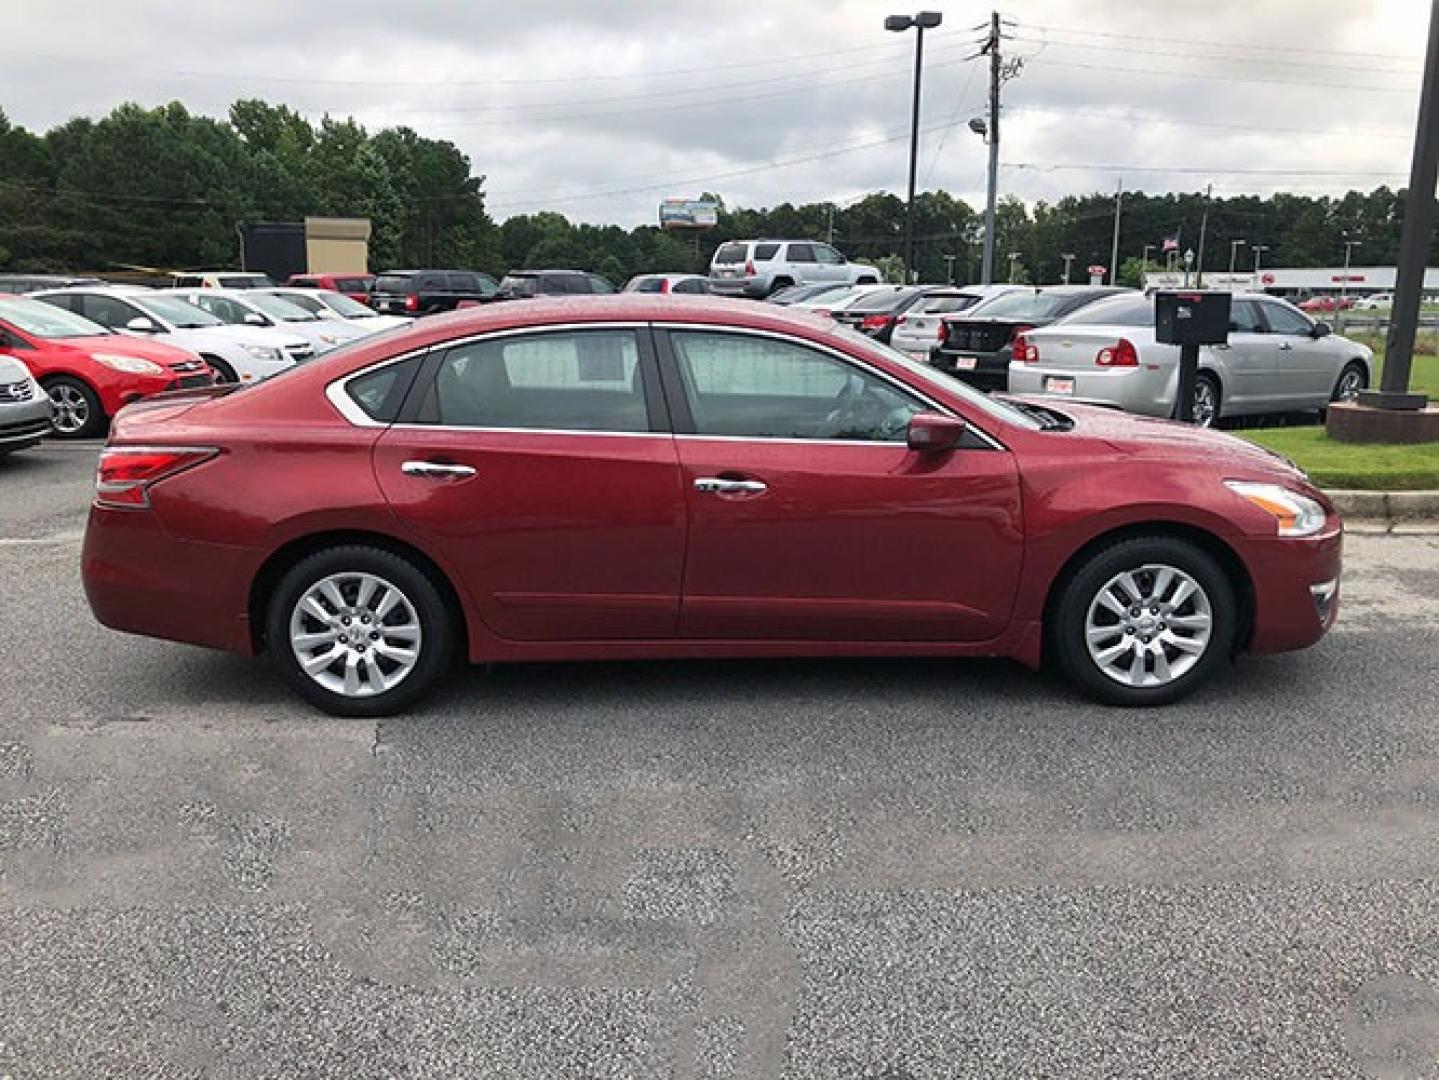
<point>626,478</point>
<point>90,372</point>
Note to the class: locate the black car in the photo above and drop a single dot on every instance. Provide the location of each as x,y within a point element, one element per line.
<point>978,343</point>
<point>424,292</point>
<point>877,311</point>
<point>28,283</point>
<point>522,284</point>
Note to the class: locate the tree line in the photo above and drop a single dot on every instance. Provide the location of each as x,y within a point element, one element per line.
<point>166,188</point>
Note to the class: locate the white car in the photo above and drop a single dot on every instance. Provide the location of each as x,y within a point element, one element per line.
<point>757,268</point>
<point>1380,301</point>
<point>237,353</point>
<point>220,279</point>
<point>329,304</point>
<point>921,328</point>
<point>1277,359</point>
<point>257,308</point>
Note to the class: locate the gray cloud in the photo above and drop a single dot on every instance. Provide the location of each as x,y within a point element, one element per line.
<point>599,108</point>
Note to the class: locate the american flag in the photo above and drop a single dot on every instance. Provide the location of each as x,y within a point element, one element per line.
<point>1171,243</point>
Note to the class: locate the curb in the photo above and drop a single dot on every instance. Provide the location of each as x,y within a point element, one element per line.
<point>1388,511</point>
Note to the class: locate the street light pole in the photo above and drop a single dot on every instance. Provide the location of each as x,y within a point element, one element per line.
<point>925,20</point>
<point>1014,257</point>
<point>1068,258</point>
<point>1349,245</point>
<point>1144,260</point>
<point>949,269</point>
<point>1234,253</point>
<point>1259,249</point>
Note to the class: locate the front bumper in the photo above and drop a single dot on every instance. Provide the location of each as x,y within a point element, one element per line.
<point>25,423</point>
<point>1296,588</point>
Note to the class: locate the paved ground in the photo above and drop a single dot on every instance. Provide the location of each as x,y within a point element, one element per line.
<point>858,869</point>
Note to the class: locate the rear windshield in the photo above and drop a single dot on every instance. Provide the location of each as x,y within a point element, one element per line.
<point>246,281</point>
<point>344,306</point>
<point>181,313</point>
<point>47,321</point>
<point>393,283</point>
<point>945,305</point>
<point>1118,311</point>
<point>882,299</point>
<point>1023,305</point>
<point>731,253</point>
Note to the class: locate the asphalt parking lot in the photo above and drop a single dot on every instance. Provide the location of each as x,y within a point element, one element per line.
<point>811,869</point>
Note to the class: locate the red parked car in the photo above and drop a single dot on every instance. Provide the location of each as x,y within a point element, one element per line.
<point>635,477</point>
<point>91,372</point>
<point>355,286</point>
<point>1327,303</point>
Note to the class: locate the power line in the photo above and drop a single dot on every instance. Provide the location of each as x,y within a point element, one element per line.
<point>1267,61</point>
<point>1215,77</point>
<point>1227,45</point>
<point>1053,166</point>
<point>1154,118</point>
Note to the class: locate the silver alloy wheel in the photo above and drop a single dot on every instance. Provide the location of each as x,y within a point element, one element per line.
<point>355,634</point>
<point>1149,626</point>
<point>1206,404</point>
<point>1350,383</point>
<point>72,411</point>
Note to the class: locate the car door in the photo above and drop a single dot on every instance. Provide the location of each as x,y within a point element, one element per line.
<point>802,264</point>
<point>1248,363</point>
<point>540,463</point>
<point>1307,366</point>
<point>112,312</point>
<point>831,264</point>
<point>809,516</point>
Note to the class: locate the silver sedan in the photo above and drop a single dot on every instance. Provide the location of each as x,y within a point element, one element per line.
<point>1277,360</point>
<point>25,409</point>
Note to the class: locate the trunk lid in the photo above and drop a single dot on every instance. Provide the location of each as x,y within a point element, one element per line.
<point>980,335</point>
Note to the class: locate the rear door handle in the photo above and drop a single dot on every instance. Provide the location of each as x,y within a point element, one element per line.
<point>436,470</point>
<point>716,485</point>
<point>1284,346</point>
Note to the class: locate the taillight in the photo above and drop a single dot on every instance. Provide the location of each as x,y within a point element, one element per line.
<point>874,322</point>
<point>749,269</point>
<point>901,320</point>
<point>126,473</point>
<point>412,302</point>
<point>1025,351</point>
<point>1121,354</point>
<point>1018,330</point>
<point>664,285</point>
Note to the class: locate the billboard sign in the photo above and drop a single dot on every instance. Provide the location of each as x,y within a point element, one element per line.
<point>688,214</point>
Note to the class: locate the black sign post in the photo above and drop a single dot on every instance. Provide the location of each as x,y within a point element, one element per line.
<point>1189,320</point>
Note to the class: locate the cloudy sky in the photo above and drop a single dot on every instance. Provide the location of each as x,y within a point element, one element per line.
<point>599,108</point>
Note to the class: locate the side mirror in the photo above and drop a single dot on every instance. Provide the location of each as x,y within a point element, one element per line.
<point>141,325</point>
<point>254,318</point>
<point>1322,329</point>
<point>932,432</point>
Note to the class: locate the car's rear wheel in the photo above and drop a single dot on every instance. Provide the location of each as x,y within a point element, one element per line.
<point>1144,621</point>
<point>223,370</point>
<point>360,631</point>
<point>1351,380</point>
<point>1207,400</point>
<point>78,414</point>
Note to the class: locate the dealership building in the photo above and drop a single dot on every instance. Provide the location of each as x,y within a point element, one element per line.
<point>1298,282</point>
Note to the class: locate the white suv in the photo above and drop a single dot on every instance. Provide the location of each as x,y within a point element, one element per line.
<point>237,353</point>
<point>759,267</point>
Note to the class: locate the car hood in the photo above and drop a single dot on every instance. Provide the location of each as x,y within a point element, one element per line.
<point>243,335</point>
<point>1165,440</point>
<point>120,345</point>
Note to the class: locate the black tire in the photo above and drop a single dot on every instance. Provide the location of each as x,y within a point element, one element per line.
<point>1070,618</point>
<point>78,412</point>
<point>436,645</point>
<point>1204,381</point>
<point>1353,371</point>
<point>222,369</point>
<point>777,284</point>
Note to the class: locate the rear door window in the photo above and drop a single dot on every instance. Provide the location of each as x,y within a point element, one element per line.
<point>690,285</point>
<point>826,254</point>
<point>393,283</point>
<point>588,380</point>
<point>765,252</point>
<point>462,283</point>
<point>801,253</point>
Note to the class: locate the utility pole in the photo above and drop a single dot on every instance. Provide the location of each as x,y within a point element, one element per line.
<point>949,269</point>
<point>1014,257</point>
<point>1234,252</point>
<point>1114,248</point>
<point>992,47</point>
<point>1068,258</point>
<point>1144,258</point>
<point>1203,228</point>
<point>1259,249</point>
<point>830,237</point>
<point>1349,245</point>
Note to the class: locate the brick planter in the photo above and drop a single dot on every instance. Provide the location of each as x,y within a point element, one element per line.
<point>1362,424</point>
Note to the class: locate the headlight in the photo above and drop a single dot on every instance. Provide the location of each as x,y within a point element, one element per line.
<point>132,364</point>
<point>265,352</point>
<point>1294,514</point>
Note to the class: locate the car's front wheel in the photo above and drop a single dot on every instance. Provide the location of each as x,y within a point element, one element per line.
<point>360,631</point>
<point>1144,621</point>
<point>78,413</point>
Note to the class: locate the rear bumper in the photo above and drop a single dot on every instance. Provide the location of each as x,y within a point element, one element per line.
<point>1296,589</point>
<point>752,287</point>
<point>140,579</point>
<point>1133,389</point>
<point>990,370</point>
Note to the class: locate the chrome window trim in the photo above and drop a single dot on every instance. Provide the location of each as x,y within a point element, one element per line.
<point>338,395</point>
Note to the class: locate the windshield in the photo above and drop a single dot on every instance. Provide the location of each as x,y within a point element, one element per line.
<point>1022,306</point>
<point>839,298</point>
<point>934,377</point>
<point>1118,311</point>
<point>885,299</point>
<point>277,308</point>
<point>340,304</point>
<point>43,320</point>
<point>308,301</point>
<point>181,314</point>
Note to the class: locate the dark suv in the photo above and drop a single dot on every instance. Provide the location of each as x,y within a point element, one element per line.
<point>519,284</point>
<point>424,292</point>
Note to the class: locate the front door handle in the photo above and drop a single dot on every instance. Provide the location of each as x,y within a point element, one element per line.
<point>718,485</point>
<point>436,470</point>
<point>1284,346</point>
